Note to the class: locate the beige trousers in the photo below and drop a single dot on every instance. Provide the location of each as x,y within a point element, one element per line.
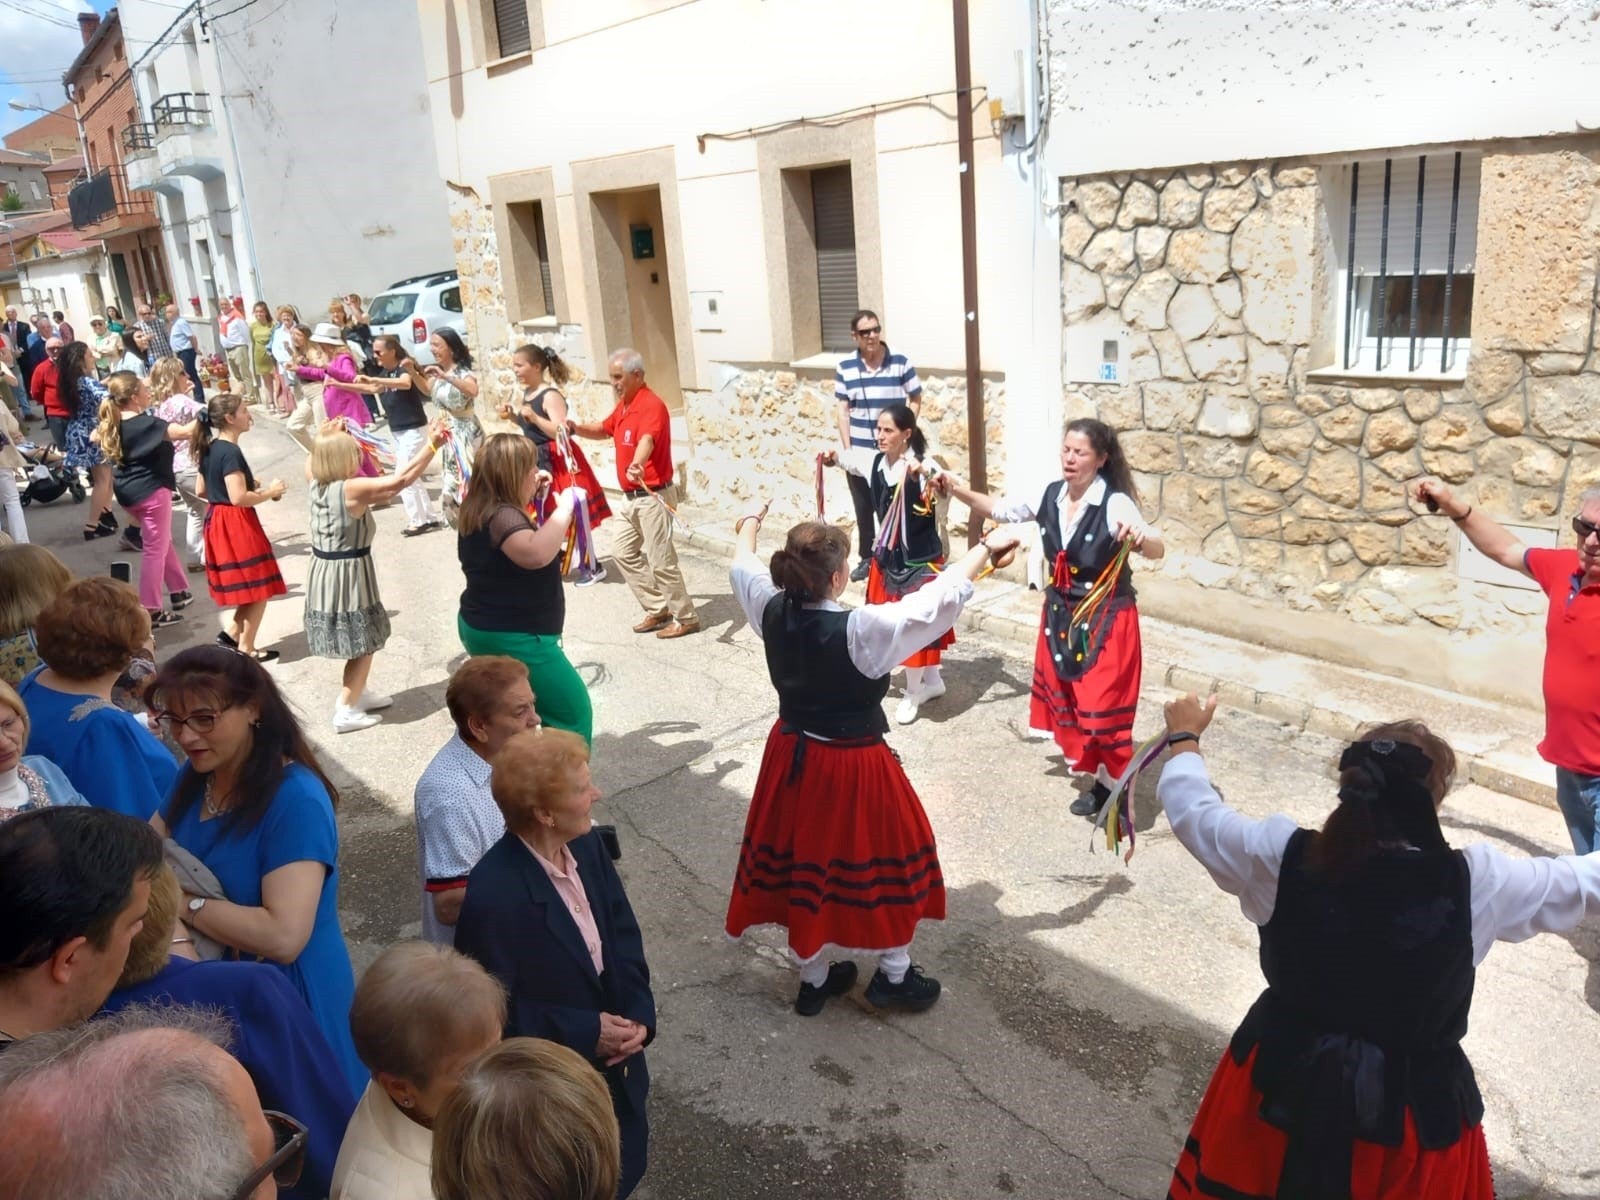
<point>642,546</point>
<point>239,367</point>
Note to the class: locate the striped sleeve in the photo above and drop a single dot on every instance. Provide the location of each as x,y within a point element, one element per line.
<point>909,383</point>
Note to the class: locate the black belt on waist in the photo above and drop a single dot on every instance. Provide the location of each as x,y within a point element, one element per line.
<point>634,493</point>
<point>337,554</point>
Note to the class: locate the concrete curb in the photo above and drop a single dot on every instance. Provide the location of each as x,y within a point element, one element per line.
<point>1296,713</point>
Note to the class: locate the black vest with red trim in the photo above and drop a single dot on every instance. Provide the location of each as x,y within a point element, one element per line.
<point>1369,982</point>
<point>922,543</point>
<point>820,690</point>
<point>1090,549</point>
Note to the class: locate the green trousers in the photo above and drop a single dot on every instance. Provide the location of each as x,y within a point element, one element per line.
<point>558,692</point>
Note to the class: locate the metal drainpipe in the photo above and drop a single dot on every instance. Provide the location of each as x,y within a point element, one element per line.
<point>976,433</point>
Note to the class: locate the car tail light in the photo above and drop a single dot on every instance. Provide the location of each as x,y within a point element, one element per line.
<point>419,330</point>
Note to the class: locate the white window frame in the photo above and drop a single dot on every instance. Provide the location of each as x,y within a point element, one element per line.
<point>1356,352</point>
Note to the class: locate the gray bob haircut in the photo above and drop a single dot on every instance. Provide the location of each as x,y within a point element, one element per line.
<point>110,1109</point>
<point>632,361</point>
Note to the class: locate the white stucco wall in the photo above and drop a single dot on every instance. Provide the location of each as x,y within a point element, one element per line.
<point>330,192</point>
<point>1193,81</point>
<point>615,78</point>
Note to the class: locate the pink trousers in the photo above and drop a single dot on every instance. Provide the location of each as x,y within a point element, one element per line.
<point>158,562</point>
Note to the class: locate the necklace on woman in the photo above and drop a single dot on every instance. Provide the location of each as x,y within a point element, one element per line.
<point>210,806</point>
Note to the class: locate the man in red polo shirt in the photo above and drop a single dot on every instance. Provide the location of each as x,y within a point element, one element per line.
<point>1571,581</point>
<point>641,433</point>
<point>45,388</point>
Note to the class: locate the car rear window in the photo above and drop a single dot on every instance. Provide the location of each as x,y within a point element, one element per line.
<point>450,299</point>
<point>391,307</point>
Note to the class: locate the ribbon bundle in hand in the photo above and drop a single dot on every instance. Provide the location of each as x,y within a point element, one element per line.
<point>1092,606</point>
<point>820,515</point>
<point>1115,818</point>
<point>380,450</point>
<point>580,538</point>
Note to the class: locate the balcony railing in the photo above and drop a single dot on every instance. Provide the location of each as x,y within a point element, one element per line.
<point>178,109</point>
<point>104,196</point>
<point>139,139</point>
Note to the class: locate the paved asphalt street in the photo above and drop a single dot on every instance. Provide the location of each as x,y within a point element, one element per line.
<point>1085,1002</point>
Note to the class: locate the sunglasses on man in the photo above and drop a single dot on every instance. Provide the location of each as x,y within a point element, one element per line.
<point>288,1157</point>
<point>1584,529</point>
<point>869,331</point>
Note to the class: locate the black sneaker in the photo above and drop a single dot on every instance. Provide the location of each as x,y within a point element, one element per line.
<point>1088,803</point>
<point>131,539</point>
<point>863,569</point>
<point>841,978</point>
<point>914,993</point>
<point>182,600</point>
<point>160,620</point>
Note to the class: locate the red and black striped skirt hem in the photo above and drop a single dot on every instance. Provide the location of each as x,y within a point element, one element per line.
<point>839,854</point>
<point>240,565</point>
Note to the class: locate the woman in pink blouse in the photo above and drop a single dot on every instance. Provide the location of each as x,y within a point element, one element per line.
<point>338,367</point>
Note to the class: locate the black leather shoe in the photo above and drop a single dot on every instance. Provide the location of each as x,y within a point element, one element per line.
<point>1088,803</point>
<point>914,993</point>
<point>841,978</point>
<point>863,569</point>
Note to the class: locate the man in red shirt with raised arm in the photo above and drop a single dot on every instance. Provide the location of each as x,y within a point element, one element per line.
<point>641,433</point>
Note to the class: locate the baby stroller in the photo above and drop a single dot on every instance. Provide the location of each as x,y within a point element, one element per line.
<point>48,477</point>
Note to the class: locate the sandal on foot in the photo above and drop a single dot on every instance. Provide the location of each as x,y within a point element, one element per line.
<point>262,656</point>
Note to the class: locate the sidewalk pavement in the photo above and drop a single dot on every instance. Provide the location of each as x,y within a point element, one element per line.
<point>1495,743</point>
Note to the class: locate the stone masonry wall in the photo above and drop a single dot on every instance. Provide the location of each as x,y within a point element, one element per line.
<point>1286,486</point>
<point>757,436</point>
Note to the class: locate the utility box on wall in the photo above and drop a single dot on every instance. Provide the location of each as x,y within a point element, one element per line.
<point>1096,351</point>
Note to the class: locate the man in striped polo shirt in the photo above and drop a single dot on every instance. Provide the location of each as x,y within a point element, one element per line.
<point>864,385</point>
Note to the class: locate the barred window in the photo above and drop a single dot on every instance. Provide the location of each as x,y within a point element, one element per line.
<point>1409,248</point>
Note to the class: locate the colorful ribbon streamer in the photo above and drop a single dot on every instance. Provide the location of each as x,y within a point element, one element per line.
<point>579,548</point>
<point>677,523</point>
<point>821,516</point>
<point>380,450</point>
<point>1116,817</point>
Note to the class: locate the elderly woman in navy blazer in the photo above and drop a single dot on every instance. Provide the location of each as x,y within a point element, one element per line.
<point>546,914</point>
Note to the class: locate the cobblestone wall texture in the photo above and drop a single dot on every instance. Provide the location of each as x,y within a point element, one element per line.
<point>1271,483</point>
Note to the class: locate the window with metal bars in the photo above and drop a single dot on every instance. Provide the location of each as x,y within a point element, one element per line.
<point>834,225</point>
<point>1410,243</point>
<point>511,27</point>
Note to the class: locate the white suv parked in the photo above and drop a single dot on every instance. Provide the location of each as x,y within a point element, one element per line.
<point>414,309</point>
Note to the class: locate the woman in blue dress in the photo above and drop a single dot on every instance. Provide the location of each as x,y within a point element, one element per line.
<point>255,807</point>
<point>82,392</point>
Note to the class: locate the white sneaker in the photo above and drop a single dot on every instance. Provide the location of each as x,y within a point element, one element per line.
<point>348,720</point>
<point>931,691</point>
<point>590,578</point>
<point>906,711</point>
<point>373,701</point>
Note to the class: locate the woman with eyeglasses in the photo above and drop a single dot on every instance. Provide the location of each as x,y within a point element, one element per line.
<point>254,805</point>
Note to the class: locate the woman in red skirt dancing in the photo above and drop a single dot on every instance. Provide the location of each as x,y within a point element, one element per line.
<point>542,414</point>
<point>1088,661</point>
<point>1346,1080</point>
<point>909,553</point>
<point>836,848</point>
<point>241,570</point>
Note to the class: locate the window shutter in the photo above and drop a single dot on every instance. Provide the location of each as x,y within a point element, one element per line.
<point>834,219</point>
<point>1437,185</point>
<point>543,250</point>
<point>511,27</point>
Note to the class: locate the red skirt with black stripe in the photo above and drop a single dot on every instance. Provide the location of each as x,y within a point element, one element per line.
<point>877,593</point>
<point>1091,717</point>
<point>840,853</point>
<point>580,474</point>
<point>240,565</point>
<point>1232,1153</point>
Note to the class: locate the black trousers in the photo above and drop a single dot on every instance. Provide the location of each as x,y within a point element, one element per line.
<point>866,515</point>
